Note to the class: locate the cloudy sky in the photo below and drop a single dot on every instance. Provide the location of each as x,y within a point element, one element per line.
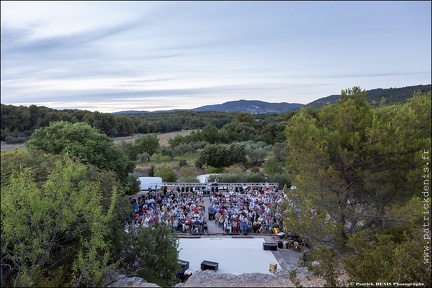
<point>113,56</point>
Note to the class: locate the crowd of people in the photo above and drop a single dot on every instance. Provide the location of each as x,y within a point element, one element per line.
<point>245,211</point>
<point>184,212</point>
<point>248,211</point>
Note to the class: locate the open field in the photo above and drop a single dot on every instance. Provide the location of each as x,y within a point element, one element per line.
<point>163,139</point>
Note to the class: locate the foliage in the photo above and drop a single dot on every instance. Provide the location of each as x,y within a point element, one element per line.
<point>294,279</point>
<point>40,164</point>
<point>152,254</point>
<point>84,142</point>
<point>129,149</point>
<point>375,96</point>
<point>167,152</point>
<point>13,140</point>
<point>54,232</point>
<point>370,250</point>
<point>209,169</point>
<point>281,179</point>
<point>222,155</point>
<point>280,152</point>
<point>183,163</point>
<point>237,168</point>
<point>143,158</point>
<point>242,128</point>
<point>147,144</point>
<point>229,178</point>
<point>356,168</point>
<point>350,162</point>
<point>210,134</point>
<point>166,173</point>
<point>271,167</point>
<point>188,172</point>
<point>325,265</point>
<point>133,185</point>
<point>381,258</point>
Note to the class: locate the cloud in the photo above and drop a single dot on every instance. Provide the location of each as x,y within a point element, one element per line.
<point>173,54</point>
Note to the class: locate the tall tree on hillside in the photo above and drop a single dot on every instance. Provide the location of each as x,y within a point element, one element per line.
<point>352,161</point>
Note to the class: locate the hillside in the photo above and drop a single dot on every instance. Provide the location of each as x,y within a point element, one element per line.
<point>392,95</point>
<point>251,106</point>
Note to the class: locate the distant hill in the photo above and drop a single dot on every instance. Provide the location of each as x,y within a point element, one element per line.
<point>392,95</point>
<point>251,106</point>
<point>246,106</point>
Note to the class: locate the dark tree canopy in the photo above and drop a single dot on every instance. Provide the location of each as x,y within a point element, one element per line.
<point>86,143</point>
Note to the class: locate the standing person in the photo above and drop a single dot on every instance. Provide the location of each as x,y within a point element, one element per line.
<point>202,205</point>
<point>216,217</point>
<point>243,226</point>
<point>238,224</point>
<point>211,212</point>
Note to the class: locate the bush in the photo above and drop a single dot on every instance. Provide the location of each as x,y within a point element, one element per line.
<point>281,179</point>
<point>255,177</point>
<point>230,178</point>
<point>155,263</point>
<point>166,173</point>
<point>143,158</point>
<point>14,140</point>
<point>183,162</point>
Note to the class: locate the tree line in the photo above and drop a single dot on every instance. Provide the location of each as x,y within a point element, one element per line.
<point>19,122</point>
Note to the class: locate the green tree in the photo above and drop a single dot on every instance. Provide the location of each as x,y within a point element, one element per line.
<point>381,258</point>
<point>53,233</point>
<point>280,152</point>
<point>210,133</point>
<point>129,149</point>
<point>402,240</point>
<point>84,142</point>
<point>271,167</point>
<point>237,154</point>
<point>215,155</point>
<point>148,143</point>
<point>166,173</point>
<point>168,152</point>
<point>352,164</point>
<point>151,253</point>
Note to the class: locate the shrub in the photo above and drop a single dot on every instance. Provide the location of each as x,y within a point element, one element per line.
<point>14,140</point>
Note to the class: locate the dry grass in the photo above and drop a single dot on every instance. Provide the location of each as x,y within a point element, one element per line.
<point>163,138</point>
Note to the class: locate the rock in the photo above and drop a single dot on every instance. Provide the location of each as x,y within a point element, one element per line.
<point>117,279</point>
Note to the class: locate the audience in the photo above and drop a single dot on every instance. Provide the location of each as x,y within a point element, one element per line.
<point>244,211</point>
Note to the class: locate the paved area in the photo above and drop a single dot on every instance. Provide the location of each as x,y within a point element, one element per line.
<point>213,228</point>
<point>233,255</point>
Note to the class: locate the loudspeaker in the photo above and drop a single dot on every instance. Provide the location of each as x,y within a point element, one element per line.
<point>273,267</point>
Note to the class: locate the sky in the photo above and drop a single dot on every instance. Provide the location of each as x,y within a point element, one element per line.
<point>142,55</point>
